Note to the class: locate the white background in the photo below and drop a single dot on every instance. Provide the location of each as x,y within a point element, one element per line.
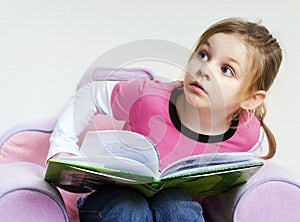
<point>46,46</point>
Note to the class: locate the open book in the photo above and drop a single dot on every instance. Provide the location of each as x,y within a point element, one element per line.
<point>131,159</point>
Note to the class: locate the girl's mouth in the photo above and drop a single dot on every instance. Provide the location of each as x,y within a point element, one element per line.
<point>196,86</point>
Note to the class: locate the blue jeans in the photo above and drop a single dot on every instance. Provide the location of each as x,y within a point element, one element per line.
<point>125,204</point>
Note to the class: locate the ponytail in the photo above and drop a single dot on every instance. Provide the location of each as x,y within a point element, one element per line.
<point>260,114</point>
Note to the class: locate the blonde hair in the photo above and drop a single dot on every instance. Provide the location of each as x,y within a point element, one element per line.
<point>266,56</point>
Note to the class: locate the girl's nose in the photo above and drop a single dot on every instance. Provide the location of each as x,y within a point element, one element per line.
<point>204,72</point>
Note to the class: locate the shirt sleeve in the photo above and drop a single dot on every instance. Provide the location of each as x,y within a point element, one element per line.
<point>92,98</point>
<point>126,95</point>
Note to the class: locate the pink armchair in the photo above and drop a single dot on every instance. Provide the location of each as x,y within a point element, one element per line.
<point>273,194</point>
<point>24,195</point>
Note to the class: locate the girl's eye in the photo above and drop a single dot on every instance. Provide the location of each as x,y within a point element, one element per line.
<point>203,56</point>
<point>227,71</point>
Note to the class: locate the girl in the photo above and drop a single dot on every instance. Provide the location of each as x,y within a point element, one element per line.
<point>219,107</point>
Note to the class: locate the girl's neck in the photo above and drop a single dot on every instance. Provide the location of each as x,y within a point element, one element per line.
<point>202,121</point>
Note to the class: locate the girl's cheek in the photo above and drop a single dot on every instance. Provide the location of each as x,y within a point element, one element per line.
<point>193,66</point>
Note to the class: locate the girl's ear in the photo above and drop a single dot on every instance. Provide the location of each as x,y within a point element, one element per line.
<point>254,100</point>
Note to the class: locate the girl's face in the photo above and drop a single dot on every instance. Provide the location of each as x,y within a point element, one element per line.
<point>215,74</point>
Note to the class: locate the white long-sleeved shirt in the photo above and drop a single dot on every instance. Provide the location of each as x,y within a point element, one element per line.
<point>92,98</point>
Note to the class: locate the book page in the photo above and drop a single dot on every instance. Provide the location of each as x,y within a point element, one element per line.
<point>207,161</point>
<point>109,162</point>
<point>120,145</point>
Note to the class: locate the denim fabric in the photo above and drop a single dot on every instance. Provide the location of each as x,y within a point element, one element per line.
<point>125,204</point>
<point>175,205</point>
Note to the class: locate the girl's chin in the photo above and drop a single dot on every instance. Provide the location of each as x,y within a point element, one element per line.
<point>196,94</point>
<point>197,101</point>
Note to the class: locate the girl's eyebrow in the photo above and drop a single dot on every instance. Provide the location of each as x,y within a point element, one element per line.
<point>206,43</point>
<point>231,59</point>
<point>203,45</point>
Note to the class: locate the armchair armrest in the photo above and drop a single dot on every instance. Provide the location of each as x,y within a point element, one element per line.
<point>25,194</point>
<point>272,194</point>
